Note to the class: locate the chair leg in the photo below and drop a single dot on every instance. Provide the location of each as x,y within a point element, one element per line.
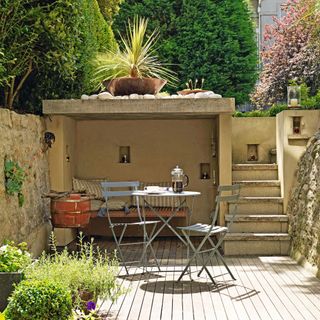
<point>216,252</point>
<point>118,242</point>
<point>196,252</point>
<point>151,248</point>
<point>225,264</point>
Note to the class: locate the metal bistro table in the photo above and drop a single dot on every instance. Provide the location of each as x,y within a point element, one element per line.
<point>183,203</point>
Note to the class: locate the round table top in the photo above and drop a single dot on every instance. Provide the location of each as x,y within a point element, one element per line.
<point>166,193</point>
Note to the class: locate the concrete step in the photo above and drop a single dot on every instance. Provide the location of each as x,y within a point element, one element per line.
<point>257,244</point>
<point>259,188</point>
<point>258,205</point>
<point>254,172</point>
<point>258,223</point>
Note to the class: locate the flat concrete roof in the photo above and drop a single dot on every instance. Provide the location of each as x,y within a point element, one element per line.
<point>169,108</point>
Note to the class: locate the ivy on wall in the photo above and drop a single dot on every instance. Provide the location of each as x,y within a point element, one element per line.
<point>14,178</point>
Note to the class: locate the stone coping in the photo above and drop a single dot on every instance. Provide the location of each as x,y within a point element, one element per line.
<point>140,108</point>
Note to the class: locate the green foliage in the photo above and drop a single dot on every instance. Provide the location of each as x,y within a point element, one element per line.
<point>49,45</point>
<point>135,59</point>
<point>202,39</point>
<point>308,101</point>
<point>88,270</point>
<point>14,178</point>
<point>39,300</point>
<point>13,257</point>
<point>19,34</point>
<point>108,8</point>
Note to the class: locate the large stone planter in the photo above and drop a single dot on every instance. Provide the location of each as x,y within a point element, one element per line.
<point>7,281</point>
<point>127,86</point>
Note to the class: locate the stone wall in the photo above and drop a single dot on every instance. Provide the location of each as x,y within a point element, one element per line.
<point>21,140</point>
<point>304,207</point>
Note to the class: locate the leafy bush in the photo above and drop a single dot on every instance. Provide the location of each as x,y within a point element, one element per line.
<point>14,178</point>
<point>207,39</point>
<point>13,257</point>
<point>271,112</point>
<point>39,300</point>
<point>88,270</point>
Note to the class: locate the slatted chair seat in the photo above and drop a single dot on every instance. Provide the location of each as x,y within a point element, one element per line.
<point>204,228</point>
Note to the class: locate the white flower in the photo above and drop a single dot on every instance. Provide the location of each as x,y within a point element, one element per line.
<point>4,248</point>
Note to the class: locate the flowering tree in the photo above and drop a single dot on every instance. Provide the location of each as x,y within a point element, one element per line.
<point>291,52</point>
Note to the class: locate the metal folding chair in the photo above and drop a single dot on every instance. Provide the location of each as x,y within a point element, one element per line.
<point>130,187</point>
<point>209,230</point>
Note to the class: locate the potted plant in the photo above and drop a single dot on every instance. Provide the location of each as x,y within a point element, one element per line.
<point>13,261</point>
<point>195,87</point>
<point>134,68</point>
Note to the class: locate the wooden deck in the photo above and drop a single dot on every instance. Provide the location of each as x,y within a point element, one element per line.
<point>266,288</point>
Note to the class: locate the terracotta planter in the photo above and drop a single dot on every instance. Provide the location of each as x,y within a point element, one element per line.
<point>7,281</point>
<point>127,86</point>
<point>70,212</point>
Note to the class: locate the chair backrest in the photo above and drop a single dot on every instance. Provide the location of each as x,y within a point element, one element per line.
<point>229,198</point>
<point>108,191</point>
<point>107,187</point>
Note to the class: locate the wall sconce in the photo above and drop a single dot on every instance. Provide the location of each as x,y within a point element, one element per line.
<point>49,139</point>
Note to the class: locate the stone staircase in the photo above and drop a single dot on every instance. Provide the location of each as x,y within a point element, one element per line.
<point>260,226</point>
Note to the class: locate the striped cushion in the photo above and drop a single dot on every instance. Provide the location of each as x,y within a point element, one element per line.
<point>159,202</point>
<point>90,186</point>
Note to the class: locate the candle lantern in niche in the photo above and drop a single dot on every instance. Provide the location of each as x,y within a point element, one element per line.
<point>124,154</point>
<point>252,152</point>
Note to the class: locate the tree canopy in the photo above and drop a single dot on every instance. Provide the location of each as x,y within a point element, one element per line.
<point>46,48</point>
<point>291,52</point>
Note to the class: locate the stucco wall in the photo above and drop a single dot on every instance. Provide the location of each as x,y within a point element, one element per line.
<point>20,140</point>
<point>260,131</point>
<point>156,146</point>
<point>290,146</point>
<point>304,207</point>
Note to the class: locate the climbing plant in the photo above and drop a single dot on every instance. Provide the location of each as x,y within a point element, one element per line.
<point>14,178</point>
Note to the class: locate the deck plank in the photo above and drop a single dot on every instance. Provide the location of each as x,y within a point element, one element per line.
<point>280,292</point>
<point>275,288</point>
<point>177,311</point>
<point>300,298</point>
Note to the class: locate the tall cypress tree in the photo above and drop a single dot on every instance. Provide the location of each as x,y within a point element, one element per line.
<point>210,39</point>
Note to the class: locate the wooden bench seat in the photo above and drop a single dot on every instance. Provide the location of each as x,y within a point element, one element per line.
<point>165,212</point>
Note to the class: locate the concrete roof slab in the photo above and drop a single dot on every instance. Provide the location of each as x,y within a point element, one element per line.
<point>174,108</point>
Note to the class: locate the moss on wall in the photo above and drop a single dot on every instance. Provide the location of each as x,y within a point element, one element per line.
<point>304,206</point>
<point>21,141</point>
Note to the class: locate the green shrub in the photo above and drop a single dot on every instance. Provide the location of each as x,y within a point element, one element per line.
<point>207,39</point>
<point>13,257</point>
<point>88,270</point>
<point>39,300</point>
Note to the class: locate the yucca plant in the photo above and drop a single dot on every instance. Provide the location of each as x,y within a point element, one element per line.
<point>135,58</point>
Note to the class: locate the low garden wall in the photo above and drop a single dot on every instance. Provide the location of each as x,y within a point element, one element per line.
<point>21,141</point>
<point>304,208</point>
<point>251,131</point>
